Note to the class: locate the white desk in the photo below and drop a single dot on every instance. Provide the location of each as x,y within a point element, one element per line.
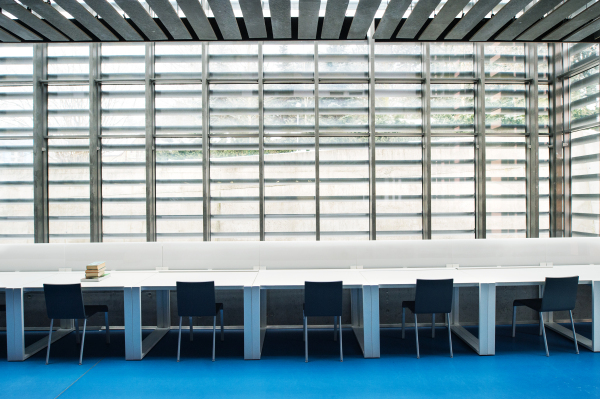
<point>165,281</point>
<point>365,303</point>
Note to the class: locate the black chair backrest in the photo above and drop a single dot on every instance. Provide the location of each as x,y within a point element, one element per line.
<point>434,296</point>
<point>64,301</point>
<point>559,294</point>
<point>196,298</point>
<point>323,298</point>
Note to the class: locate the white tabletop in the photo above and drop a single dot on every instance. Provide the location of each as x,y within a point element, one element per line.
<point>22,279</point>
<point>117,280</point>
<point>222,279</point>
<point>351,278</point>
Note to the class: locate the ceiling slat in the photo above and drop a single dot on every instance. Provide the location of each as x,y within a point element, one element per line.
<point>86,19</point>
<point>18,29</point>
<point>142,19</point>
<point>443,19</point>
<point>574,23</point>
<point>254,18</point>
<point>499,20</point>
<point>334,19</point>
<point>391,18</point>
<point>555,17</point>
<point>363,18</point>
<point>167,15</point>
<point>31,20</point>
<point>225,19</point>
<point>7,37</point>
<point>197,18</point>
<point>114,19</point>
<point>308,18</point>
<point>528,18</point>
<point>417,18</point>
<point>470,20</point>
<point>586,31</point>
<point>50,14</point>
<point>281,18</point>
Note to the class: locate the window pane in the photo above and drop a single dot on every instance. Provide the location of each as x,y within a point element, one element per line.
<point>233,109</point>
<point>543,61</point>
<point>504,60</point>
<point>16,104</point>
<point>451,60</point>
<point>68,61</point>
<point>584,98</point>
<point>178,61</point>
<point>179,196</point>
<point>233,61</point>
<point>343,61</point>
<point>543,110</point>
<point>123,109</point>
<point>68,110</point>
<point>290,203</point>
<point>506,187</point>
<point>580,53</point>
<point>505,108</point>
<point>343,108</point>
<point>452,187</point>
<point>398,108</point>
<point>585,180</point>
<point>16,62</point>
<point>289,60</point>
<point>289,109</point>
<point>544,176</point>
<point>399,174</point>
<point>123,61</point>
<point>234,189</point>
<point>123,190</point>
<point>344,188</point>
<point>178,109</point>
<point>452,108</point>
<point>69,190</point>
<point>16,191</point>
<point>399,60</point>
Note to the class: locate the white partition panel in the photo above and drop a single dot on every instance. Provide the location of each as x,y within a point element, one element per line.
<point>118,256</point>
<point>308,255</point>
<point>380,254</point>
<point>32,257</point>
<point>211,255</point>
<point>573,251</point>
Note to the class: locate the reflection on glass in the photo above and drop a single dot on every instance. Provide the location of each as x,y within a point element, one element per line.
<point>178,109</point>
<point>585,182</point>
<point>343,61</point>
<point>289,109</point>
<point>451,60</point>
<point>505,108</point>
<point>398,108</point>
<point>123,61</point>
<point>233,61</point>
<point>452,108</point>
<point>68,61</point>
<point>398,60</point>
<point>233,109</point>
<point>289,60</point>
<point>584,98</point>
<point>343,108</point>
<point>178,60</point>
<point>504,60</point>
<point>123,109</point>
<point>68,110</point>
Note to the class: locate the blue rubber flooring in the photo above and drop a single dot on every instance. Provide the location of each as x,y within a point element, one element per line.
<point>519,369</point>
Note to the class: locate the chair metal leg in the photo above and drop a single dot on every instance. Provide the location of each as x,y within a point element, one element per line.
<point>514,320</point>
<point>107,327</point>
<point>449,333</point>
<point>191,329</point>
<point>544,333</point>
<point>335,328</point>
<point>305,341</point>
<point>77,340</point>
<point>82,341</point>
<point>417,336</point>
<point>541,325</point>
<point>574,335</point>
<point>303,327</point>
<point>341,350</point>
<point>214,335</point>
<point>433,325</point>
<point>403,318</point>
<point>179,340</point>
<point>222,328</point>
<point>49,341</point>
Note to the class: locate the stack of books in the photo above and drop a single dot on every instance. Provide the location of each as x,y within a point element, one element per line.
<point>95,270</point>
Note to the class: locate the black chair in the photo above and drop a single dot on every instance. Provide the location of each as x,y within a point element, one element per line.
<point>432,296</point>
<point>559,294</point>
<point>198,299</point>
<point>323,299</point>
<point>2,308</point>
<point>65,301</point>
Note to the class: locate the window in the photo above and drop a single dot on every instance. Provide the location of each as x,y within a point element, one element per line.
<point>504,60</point>
<point>451,60</point>
<point>398,60</point>
<point>580,53</point>
<point>505,108</point>
<point>17,62</point>
<point>178,61</point>
<point>289,61</point>
<point>233,61</point>
<point>585,181</point>
<point>233,109</point>
<point>544,188</point>
<point>343,61</point>
<point>398,108</point>
<point>68,61</point>
<point>123,61</point>
<point>452,108</point>
<point>584,98</point>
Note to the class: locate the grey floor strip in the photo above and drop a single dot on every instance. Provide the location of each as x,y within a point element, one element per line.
<point>80,377</point>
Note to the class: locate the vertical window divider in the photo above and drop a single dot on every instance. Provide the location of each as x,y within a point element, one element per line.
<point>480,149</point>
<point>556,88</point>
<point>372,166</point>
<point>566,151</point>
<point>40,142</point>
<point>426,117</point>
<point>95,143</point>
<point>532,140</point>
<point>261,144</point>
<point>317,178</point>
<point>205,147</point>
<point>150,147</point>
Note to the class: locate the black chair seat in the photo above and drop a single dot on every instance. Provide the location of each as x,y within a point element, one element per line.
<point>2,308</point>
<point>534,303</point>
<point>91,310</point>
<point>409,304</point>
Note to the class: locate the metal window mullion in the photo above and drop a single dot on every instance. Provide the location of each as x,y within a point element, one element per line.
<point>150,152</point>
<point>40,143</point>
<point>556,88</point>
<point>95,145</point>
<point>372,168</point>
<point>480,147</point>
<point>317,177</point>
<point>426,121</point>
<point>261,145</point>
<point>532,140</point>
<point>206,211</point>
<point>566,150</point>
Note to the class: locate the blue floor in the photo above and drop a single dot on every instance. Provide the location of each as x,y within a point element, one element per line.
<point>519,369</point>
